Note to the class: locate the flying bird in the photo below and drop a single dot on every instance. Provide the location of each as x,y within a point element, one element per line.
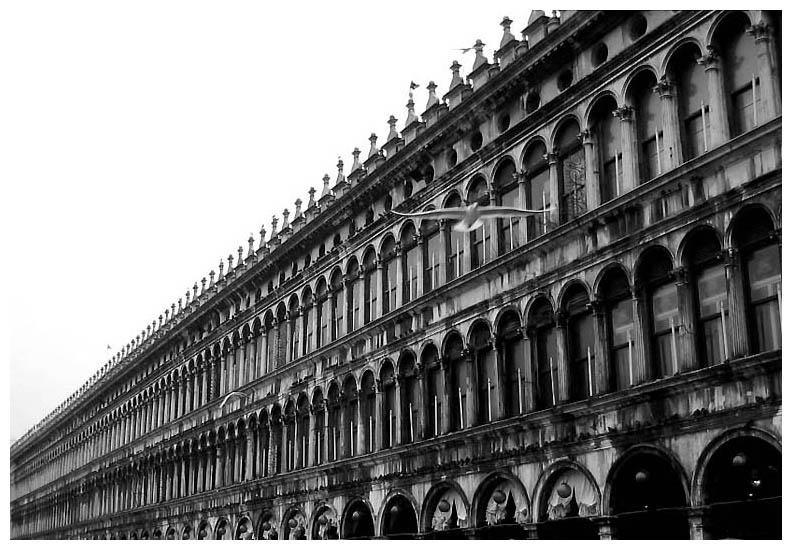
<point>472,217</point>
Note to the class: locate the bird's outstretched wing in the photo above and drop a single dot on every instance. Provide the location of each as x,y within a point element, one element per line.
<point>507,212</point>
<point>436,214</point>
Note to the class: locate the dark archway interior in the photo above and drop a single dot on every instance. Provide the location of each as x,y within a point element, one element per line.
<point>648,500</point>
<point>742,491</point>
<point>399,518</point>
<point>358,523</point>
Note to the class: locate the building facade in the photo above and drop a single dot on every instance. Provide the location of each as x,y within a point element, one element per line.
<point>610,369</point>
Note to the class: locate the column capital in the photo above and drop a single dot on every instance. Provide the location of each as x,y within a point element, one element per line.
<point>761,31</point>
<point>586,137</point>
<point>665,88</point>
<point>551,157</point>
<point>709,60</point>
<point>625,113</point>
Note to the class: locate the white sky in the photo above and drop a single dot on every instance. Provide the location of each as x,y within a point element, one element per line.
<point>145,140</point>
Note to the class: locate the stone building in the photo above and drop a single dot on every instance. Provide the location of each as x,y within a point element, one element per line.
<point>609,369</point>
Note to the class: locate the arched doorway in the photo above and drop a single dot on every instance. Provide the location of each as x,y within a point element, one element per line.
<point>500,507</point>
<point>357,522</point>
<point>399,520</point>
<point>648,498</point>
<point>742,490</point>
<point>568,503</point>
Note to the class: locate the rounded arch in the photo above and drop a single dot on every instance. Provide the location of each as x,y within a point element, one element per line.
<point>672,52</point>
<point>267,528</point>
<point>477,329</point>
<point>501,169</point>
<point>449,339</point>
<point>398,515</point>
<point>320,290</point>
<point>534,142</point>
<point>407,231</point>
<point>357,520</point>
<point>478,182</point>
<point>352,264</point>
<point>407,360</point>
<point>633,76</point>
<point>428,351</point>
<point>387,245</point>
<point>603,96</point>
<point>705,236</point>
<point>453,198</point>
<point>653,261</point>
<point>764,221</point>
<point>500,499</point>
<point>717,22</point>
<point>453,513</point>
<point>607,274</point>
<point>551,478</point>
<point>294,525</point>
<point>324,522</point>
<point>561,126</point>
<point>244,528</point>
<point>573,290</point>
<point>506,313</point>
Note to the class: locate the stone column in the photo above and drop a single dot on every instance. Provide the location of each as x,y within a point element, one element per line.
<point>768,67</point>
<point>630,161</point>
<point>719,123</point>
<point>640,341</point>
<point>327,434</point>
<point>204,385</point>
<point>381,418</point>
<point>311,436</point>
<point>377,282</point>
<point>397,405</point>
<point>273,448</point>
<point>696,523</point>
<point>528,372</point>
<point>445,402</point>
<point>471,391</point>
<point>400,268</point>
<point>249,455</point>
<point>687,351</point>
<point>419,268</point>
<point>671,150</point>
<point>562,371</point>
<point>362,423</point>
<point>553,217</point>
<point>498,392</point>
<point>591,153</point>
<point>737,322</point>
<point>602,366</point>
<point>196,382</point>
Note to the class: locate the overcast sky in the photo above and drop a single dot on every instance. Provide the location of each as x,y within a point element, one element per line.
<point>146,140</point>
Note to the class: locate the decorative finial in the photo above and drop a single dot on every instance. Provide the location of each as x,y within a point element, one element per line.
<point>274,226</point>
<point>297,208</point>
<point>159,326</point>
<point>211,277</point>
<point>311,200</point>
<point>356,159</point>
<point>326,186</point>
<point>432,101</point>
<point>262,236</point>
<point>251,240</point>
<point>456,79</point>
<point>410,111</point>
<point>173,309</point>
<point>230,263</point>
<point>507,35</point>
<point>340,177</point>
<point>220,273</point>
<point>373,151</point>
<point>285,218</point>
<point>180,305</point>
<point>239,254</point>
<point>480,59</point>
<point>392,133</point>
<point>195,290</point>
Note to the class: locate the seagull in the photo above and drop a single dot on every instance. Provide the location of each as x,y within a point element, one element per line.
<point>472,217</point>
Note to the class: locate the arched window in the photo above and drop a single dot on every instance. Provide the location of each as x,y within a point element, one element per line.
<point>350,426</point>
<point>479,238</point>
<point>337,305</point>
<point>739,61</point>
<point>760,266</point>
<point>294,331</point>
<point>290,430</point>
<point>694,100</point>
<point>409,262</point>
<point>511,342</point>
<point>319,435</point>
<point>282,343</point>
<point>486,375</point>
<point>541,330</point>
<point>537,172</point>
<point>307,326</point>
<point>433,378</point>
<point>389,275</point>
<point>660,304</point>
<point>368,412</point>
<point>617,296</point>
<point>704,260</point>
<point>608,135</point>
<point>369,291</point>
<point>353,295</point>
<point>571,171</point>
<point>458,376</point>
<point>433,255</point>
<point>276,436</point>
<point>508,194</point>
<point>388,383</point>
<point>455,247</point>
<point>580,343</point>
<point>333,423</point>
<point>410,398</point>
<point>322,313</point>
<point>648,123</point>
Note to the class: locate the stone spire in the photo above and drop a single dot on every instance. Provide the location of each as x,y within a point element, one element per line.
<point>411,107</point>
<point>203,285</point>
<point>230,263</point>
<point>262,236</point>
<point>456,78</point>
<point>356,160</point>
<point>220,272</point>
<point>432,101</point>
<point>211,277</point>
<point>285,219</point>
<point>195,290</point>
<point>274,227</point>
<point>311,200</point>
<point>297,208</point>
<point>251,240</point>
<point>325,186</point>
<point>507,35</point>
<point>480,58</point>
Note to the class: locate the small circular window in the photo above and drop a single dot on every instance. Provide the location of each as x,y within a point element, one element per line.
<point>476,140</point>
<point>599,54</point>
<point>504,121</point>
<point>637,27</point>
<point>451,158</point>
<point>565,80</point>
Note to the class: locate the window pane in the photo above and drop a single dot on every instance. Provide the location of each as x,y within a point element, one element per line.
<point>539,186</point>
<point>768,326</point>
<point>510,228</point>
<point>711,284</point>
<point>764,273</point>
<point>574,179</point>
<point>665,307</point>
<point>743,109</point>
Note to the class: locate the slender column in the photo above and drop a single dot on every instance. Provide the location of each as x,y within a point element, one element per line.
<point>738,337</point>
<point>377,282</point>
<point>718,123</point>
<point>273,454</point>
<point>498,396</point>
<point>768,67</point>
<point>285,466</point>
<point>249,454</point>
<point>630,161</point>
<point>687,353</point>
<point>327,434</point>
<point>195,382</point>
<point>554,216</point>
<point>219,460</point>
<point>562,371</point>
<point>189,384</point>
<point>528,372</point>
<point>362,424</point>
<point>399,259</point>
<point>471,391</point>
<point>311,436</point>
<point>381,418</point>
<point>602,366</point>
<point>591,153</point>
<point>445,392</point>
<point>398,438</point>
<point>672,139</point>
<point>639,336</point>
<point>204,384</point>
